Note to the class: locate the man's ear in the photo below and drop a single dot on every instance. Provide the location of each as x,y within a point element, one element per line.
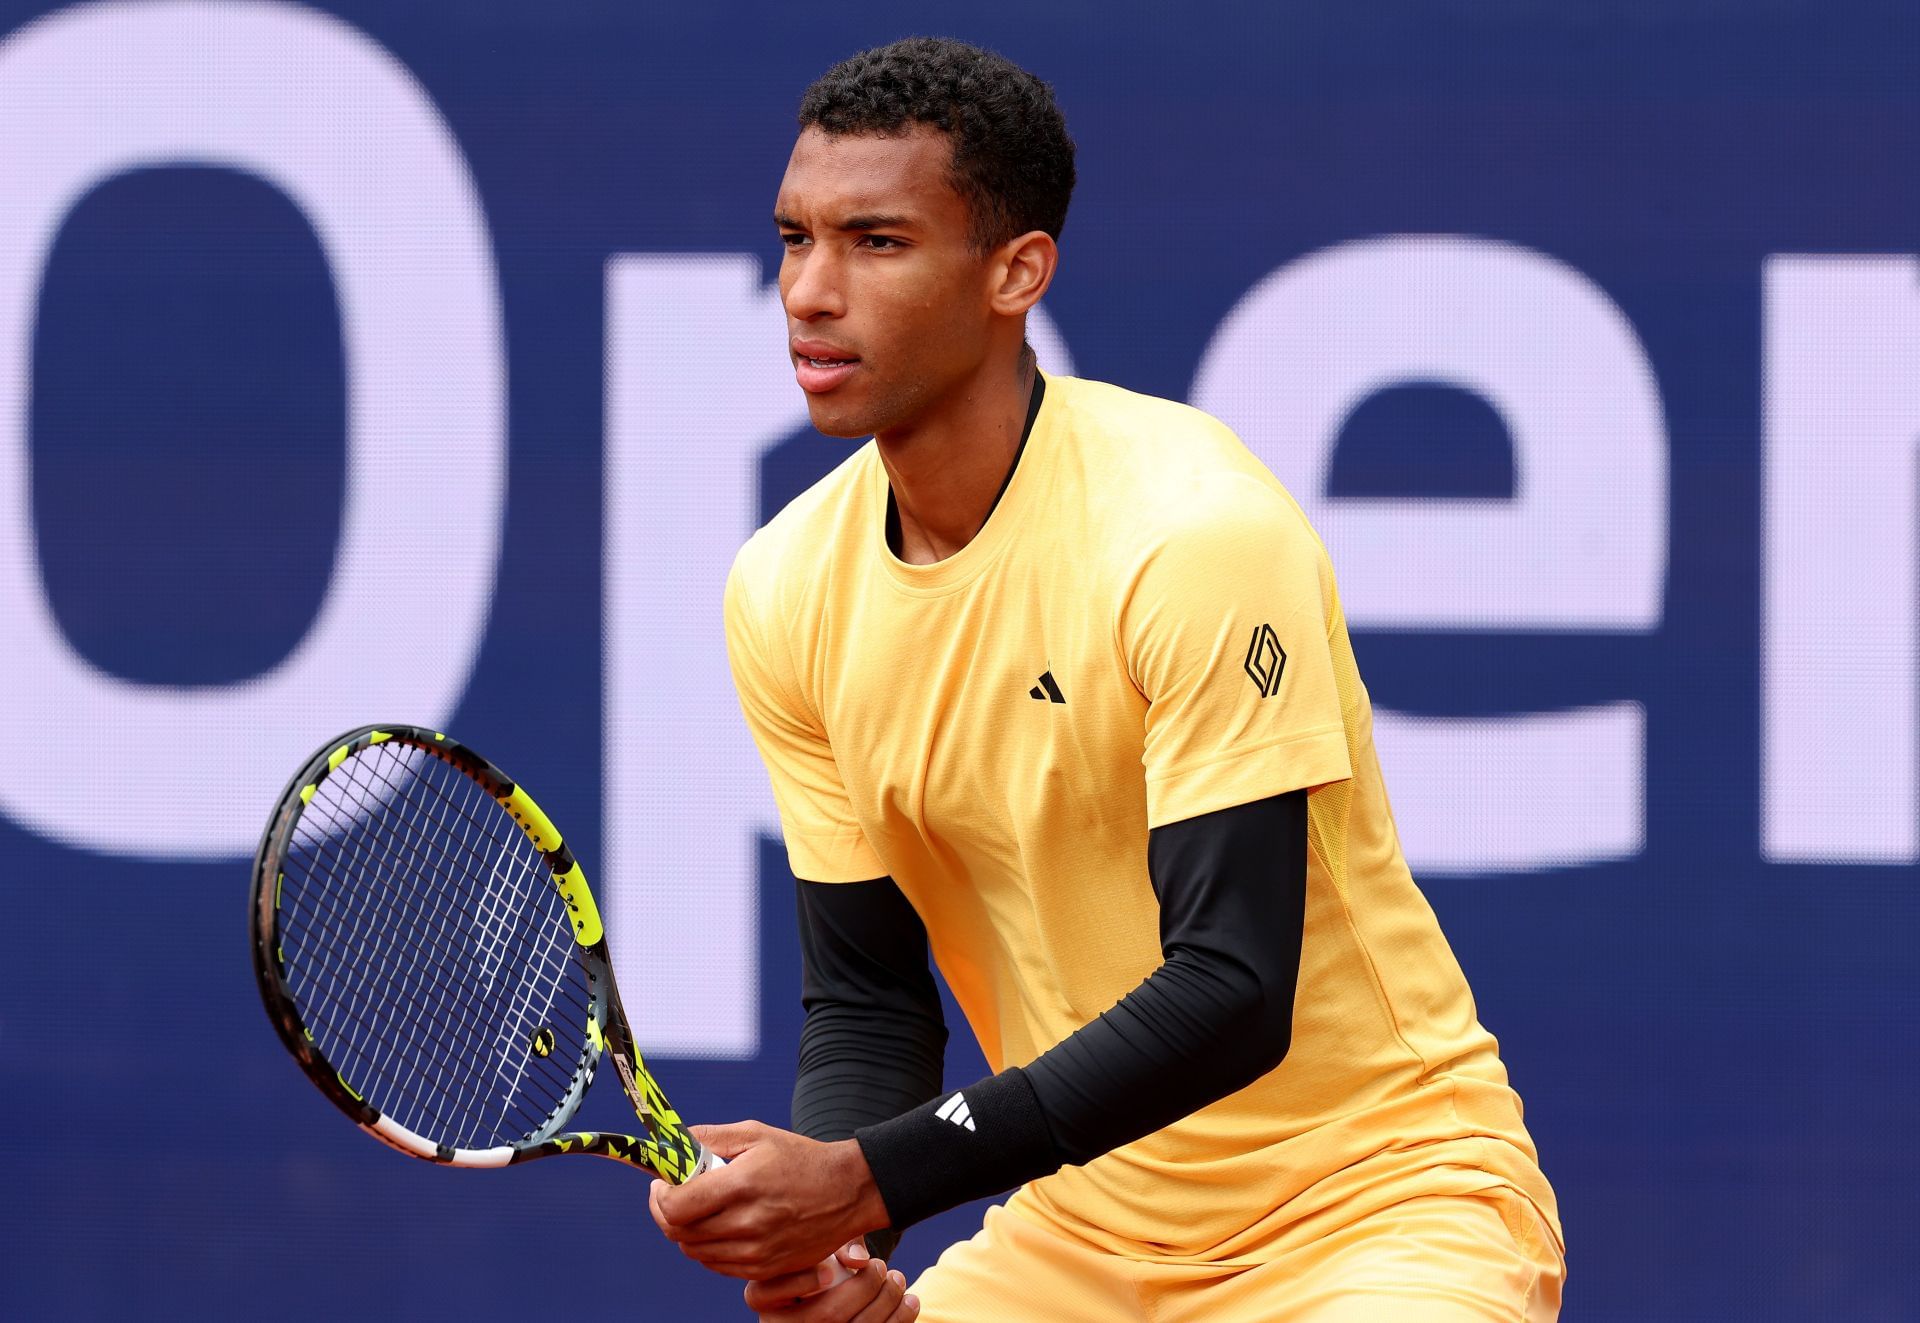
<point>1021,271</point>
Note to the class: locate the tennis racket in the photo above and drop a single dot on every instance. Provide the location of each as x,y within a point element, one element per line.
<point>430,953</point>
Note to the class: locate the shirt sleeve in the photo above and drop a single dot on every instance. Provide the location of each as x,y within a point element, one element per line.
<point>824,840</point>
<point>1224,627</point>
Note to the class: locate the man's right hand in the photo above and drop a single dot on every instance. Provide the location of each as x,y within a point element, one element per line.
<point>873,1294</point>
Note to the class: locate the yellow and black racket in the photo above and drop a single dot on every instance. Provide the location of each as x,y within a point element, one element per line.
<point>429,951</point>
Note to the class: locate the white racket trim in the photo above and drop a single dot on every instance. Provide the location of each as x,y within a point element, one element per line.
<point>392,1132</point>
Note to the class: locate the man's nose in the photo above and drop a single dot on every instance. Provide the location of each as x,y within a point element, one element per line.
<point>816,288</point>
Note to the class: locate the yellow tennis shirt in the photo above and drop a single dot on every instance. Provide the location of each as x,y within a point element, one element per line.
<point>1146,629</point>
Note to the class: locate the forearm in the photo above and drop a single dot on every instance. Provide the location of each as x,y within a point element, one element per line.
<point>1214,1017</point>
<point>1194,1032</point>
<point>859,1065</point>
<point>1186,1037</point>
<point>874,1042</point>
<point>1219,1013</point>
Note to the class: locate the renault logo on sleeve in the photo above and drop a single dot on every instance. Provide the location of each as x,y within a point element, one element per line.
<point>1266,659</point>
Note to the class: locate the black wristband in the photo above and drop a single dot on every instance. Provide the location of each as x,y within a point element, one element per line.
<point>983,1140</point>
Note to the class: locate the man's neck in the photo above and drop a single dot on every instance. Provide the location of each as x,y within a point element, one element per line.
<point>948,472</point>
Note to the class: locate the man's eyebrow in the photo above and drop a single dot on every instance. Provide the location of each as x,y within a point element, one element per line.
<point>871,221</point>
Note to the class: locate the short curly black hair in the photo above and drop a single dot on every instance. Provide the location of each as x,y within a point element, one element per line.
<point>1012,158</point>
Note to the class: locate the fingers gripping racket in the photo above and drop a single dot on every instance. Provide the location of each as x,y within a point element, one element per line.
<point>429,951</point>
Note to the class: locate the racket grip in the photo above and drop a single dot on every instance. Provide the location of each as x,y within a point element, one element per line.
<point>711,1161</point>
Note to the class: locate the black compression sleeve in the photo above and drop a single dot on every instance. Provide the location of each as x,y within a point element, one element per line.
<point>1219,1013</point>
<point>874,1039</point>
<point>1215,1016</point>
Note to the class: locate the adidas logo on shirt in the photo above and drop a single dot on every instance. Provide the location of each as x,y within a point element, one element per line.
<point>1047,690</point>
<point>955,1110</point>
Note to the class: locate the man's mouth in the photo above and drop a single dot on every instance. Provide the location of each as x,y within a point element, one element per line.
<point>818,374</point>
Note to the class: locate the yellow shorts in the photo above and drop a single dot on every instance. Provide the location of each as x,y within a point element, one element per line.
<point>1432,1259</point>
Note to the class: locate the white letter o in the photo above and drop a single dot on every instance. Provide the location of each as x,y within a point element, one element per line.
<point>323,113</point>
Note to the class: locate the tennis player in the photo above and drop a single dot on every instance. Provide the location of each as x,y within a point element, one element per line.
<point>1053,678</point>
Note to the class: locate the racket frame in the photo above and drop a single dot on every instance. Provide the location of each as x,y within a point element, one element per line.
<point>668,1150</point>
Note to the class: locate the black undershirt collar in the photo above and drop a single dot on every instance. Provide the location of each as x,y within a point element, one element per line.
<point>1033,412</point>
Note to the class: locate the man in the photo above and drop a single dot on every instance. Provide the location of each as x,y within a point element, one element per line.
<point>1054,678</point>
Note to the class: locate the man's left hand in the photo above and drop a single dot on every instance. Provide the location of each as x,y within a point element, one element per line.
<point>872,1294</point>
<point>782,1203</point>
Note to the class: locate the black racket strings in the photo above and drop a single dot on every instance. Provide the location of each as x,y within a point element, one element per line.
<point>429,951</point>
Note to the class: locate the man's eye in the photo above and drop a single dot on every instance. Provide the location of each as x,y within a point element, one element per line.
<point>793,240</point>
<point>880,241</point>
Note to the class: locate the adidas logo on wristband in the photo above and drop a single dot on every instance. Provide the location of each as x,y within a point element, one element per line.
<point>955,1110</point>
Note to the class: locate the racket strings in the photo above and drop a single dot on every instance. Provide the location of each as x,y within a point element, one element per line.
<point>508,858</point>
<point>433,973</point>
<point>519,924</point>
<point>387,982</point>
<point>432,976</point>
<point>390,980</point>
<point>429,952</point>
<point>360,975</point>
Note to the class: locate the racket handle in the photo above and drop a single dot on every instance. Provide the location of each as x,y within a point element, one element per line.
<point>711,1161</point>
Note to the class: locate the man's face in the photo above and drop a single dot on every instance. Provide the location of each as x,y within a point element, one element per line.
<point>887,304</point>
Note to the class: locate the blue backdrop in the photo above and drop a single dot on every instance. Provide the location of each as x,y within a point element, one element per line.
<point>1709,1008</point>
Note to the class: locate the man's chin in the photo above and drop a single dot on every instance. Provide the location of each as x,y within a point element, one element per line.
<point>843,423</point>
